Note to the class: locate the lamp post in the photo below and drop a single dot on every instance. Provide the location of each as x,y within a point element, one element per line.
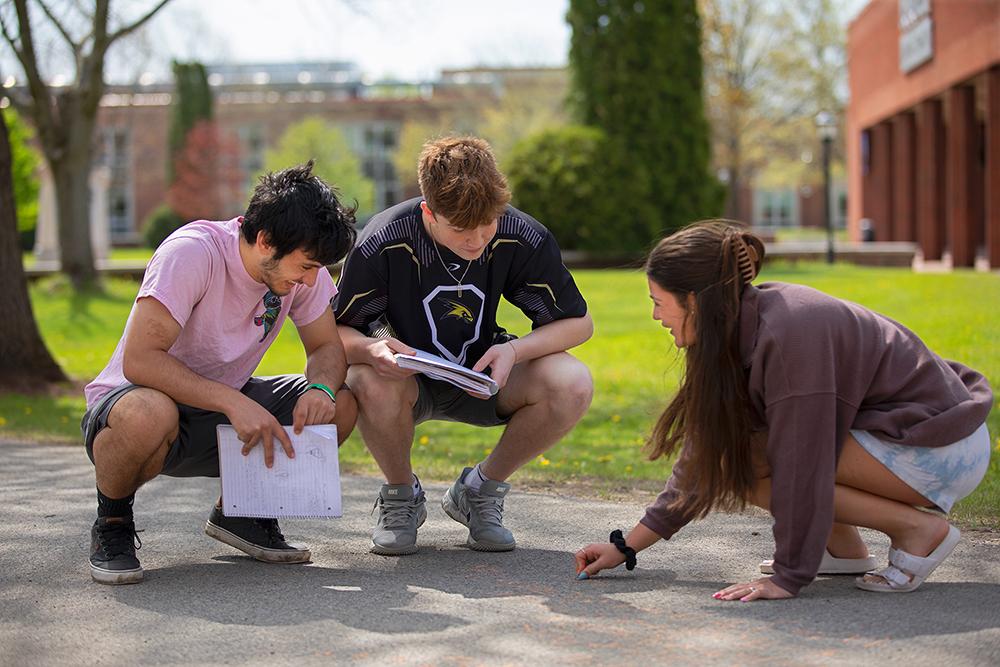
<point>827,126</point>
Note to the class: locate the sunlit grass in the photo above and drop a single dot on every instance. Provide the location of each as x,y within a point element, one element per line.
<point>141,254</point>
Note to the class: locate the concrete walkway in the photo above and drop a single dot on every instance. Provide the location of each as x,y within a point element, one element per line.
<point>205,603</point>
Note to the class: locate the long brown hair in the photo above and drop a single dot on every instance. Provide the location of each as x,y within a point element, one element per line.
<point>713,260</point>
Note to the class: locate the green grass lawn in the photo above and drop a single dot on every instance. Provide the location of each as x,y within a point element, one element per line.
<point>117,255</point>
<point>632,358</point>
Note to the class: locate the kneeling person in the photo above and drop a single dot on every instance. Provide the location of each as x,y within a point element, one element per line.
<point>212,300</point>
<point>428,274</point>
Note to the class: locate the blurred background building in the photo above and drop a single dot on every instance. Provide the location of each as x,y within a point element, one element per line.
<point>255,103</point>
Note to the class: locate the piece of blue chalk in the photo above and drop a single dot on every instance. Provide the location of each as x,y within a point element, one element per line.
<point>582,575</point>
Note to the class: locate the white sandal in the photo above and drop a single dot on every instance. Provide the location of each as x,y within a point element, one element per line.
<point>831,565</point>
<point>906,571</point>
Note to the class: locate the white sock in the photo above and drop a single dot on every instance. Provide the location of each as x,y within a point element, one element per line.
<point>475,478</point>
<point>416,486</point>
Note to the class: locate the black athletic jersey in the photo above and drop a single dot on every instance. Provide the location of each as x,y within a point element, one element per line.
<point>394,283</point>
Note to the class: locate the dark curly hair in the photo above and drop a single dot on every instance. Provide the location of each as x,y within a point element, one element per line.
<point>298,210</point>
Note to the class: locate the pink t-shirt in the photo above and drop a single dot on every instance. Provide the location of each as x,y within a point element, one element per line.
<point>228,320</point>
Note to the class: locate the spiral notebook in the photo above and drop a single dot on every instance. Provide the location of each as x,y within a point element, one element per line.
<point>306,486</point>
<point>440,368</point>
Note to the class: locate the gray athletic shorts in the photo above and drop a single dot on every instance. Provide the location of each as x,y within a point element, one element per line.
<point>444,401</point>
<point>195,452</point>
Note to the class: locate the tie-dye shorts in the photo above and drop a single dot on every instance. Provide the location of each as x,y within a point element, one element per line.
<point>943,475</point>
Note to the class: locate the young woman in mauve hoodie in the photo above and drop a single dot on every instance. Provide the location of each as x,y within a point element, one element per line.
<point>821,411</point>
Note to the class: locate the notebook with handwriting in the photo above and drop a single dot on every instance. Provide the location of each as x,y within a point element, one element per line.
<point>305,487</point>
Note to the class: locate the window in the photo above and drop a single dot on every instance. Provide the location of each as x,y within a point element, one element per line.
<point>114,152</point>
<point>251,153</point>
<point>775,208</point>
<point>866,152</point>
<point>374,143</point>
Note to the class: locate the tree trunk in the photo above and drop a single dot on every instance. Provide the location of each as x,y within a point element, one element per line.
<point>26,363</point>
<point>71,177</point>
<point>734,198</point>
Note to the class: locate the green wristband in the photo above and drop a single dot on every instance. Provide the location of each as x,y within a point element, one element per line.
<point>324,389</point>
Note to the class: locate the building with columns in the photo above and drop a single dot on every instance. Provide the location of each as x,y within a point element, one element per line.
<point>923,127</point>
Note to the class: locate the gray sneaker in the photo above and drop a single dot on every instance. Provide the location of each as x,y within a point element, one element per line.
<point>400,513</point>
<point>481,511</point>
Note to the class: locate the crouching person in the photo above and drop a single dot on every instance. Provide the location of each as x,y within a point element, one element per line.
<point>429,274</point>
<point>212,301</point>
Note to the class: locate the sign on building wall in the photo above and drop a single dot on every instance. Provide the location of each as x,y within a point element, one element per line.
<point>916,35</point>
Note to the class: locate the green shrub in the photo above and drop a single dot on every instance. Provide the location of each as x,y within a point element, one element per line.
<point>578,183</point>
<point>160,224</point>
<point>27,239</point>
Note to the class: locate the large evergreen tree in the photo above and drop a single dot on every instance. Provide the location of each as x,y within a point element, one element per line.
<point>637,75</point>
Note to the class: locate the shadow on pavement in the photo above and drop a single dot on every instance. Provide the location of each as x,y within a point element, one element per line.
<point>239,590</point>
<point>936,608</point>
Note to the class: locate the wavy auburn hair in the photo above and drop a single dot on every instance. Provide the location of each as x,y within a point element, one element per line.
<point>714,260</point>
<point>459,179</point>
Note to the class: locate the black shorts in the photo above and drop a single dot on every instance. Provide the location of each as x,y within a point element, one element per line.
<point>195,451</point>
<point>445,401</point>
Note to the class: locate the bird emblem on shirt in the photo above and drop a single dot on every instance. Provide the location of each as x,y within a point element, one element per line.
<point>272,306</point>
<point>457,310</point>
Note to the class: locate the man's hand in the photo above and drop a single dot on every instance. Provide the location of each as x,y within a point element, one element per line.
<point>500,359</point>
<point>381,353</point>
<point>254,424</point>
<point>313,407</point>
<point>758,589</point>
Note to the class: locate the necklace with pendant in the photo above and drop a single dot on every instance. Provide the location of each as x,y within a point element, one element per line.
<point>458,281</point>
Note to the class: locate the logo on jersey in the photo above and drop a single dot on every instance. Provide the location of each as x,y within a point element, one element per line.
<point>454,322</point>
<point>457,310</point>
<point>272,306</point>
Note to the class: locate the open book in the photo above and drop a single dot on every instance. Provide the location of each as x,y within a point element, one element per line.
<point>440,368</point>
<point>306,486</point>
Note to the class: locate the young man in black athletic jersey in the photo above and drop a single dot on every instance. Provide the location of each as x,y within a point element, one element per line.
<point>428,274</point>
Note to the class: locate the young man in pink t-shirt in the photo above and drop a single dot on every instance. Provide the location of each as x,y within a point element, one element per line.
<point>212,300</point>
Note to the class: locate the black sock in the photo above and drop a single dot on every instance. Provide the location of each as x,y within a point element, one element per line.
<point>120,507</point>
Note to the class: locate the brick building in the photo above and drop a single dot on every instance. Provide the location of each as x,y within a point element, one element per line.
<point>255,103</point>
<point>923,126</point>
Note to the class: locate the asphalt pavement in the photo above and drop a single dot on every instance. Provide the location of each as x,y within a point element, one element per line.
<point>203,602</point>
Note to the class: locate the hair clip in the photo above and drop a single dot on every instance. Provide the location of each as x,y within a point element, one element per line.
<point>746,260</point>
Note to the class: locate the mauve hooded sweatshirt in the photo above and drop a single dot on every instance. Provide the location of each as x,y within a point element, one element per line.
<point>816,368</point>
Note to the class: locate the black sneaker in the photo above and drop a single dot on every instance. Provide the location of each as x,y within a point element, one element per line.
<point>113,542</point>
<point>260,538</point>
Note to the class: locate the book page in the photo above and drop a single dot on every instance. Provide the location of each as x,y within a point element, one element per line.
<point>306,486</point>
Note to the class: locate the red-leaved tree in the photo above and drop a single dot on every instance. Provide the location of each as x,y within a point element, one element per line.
<point>208,181</point>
